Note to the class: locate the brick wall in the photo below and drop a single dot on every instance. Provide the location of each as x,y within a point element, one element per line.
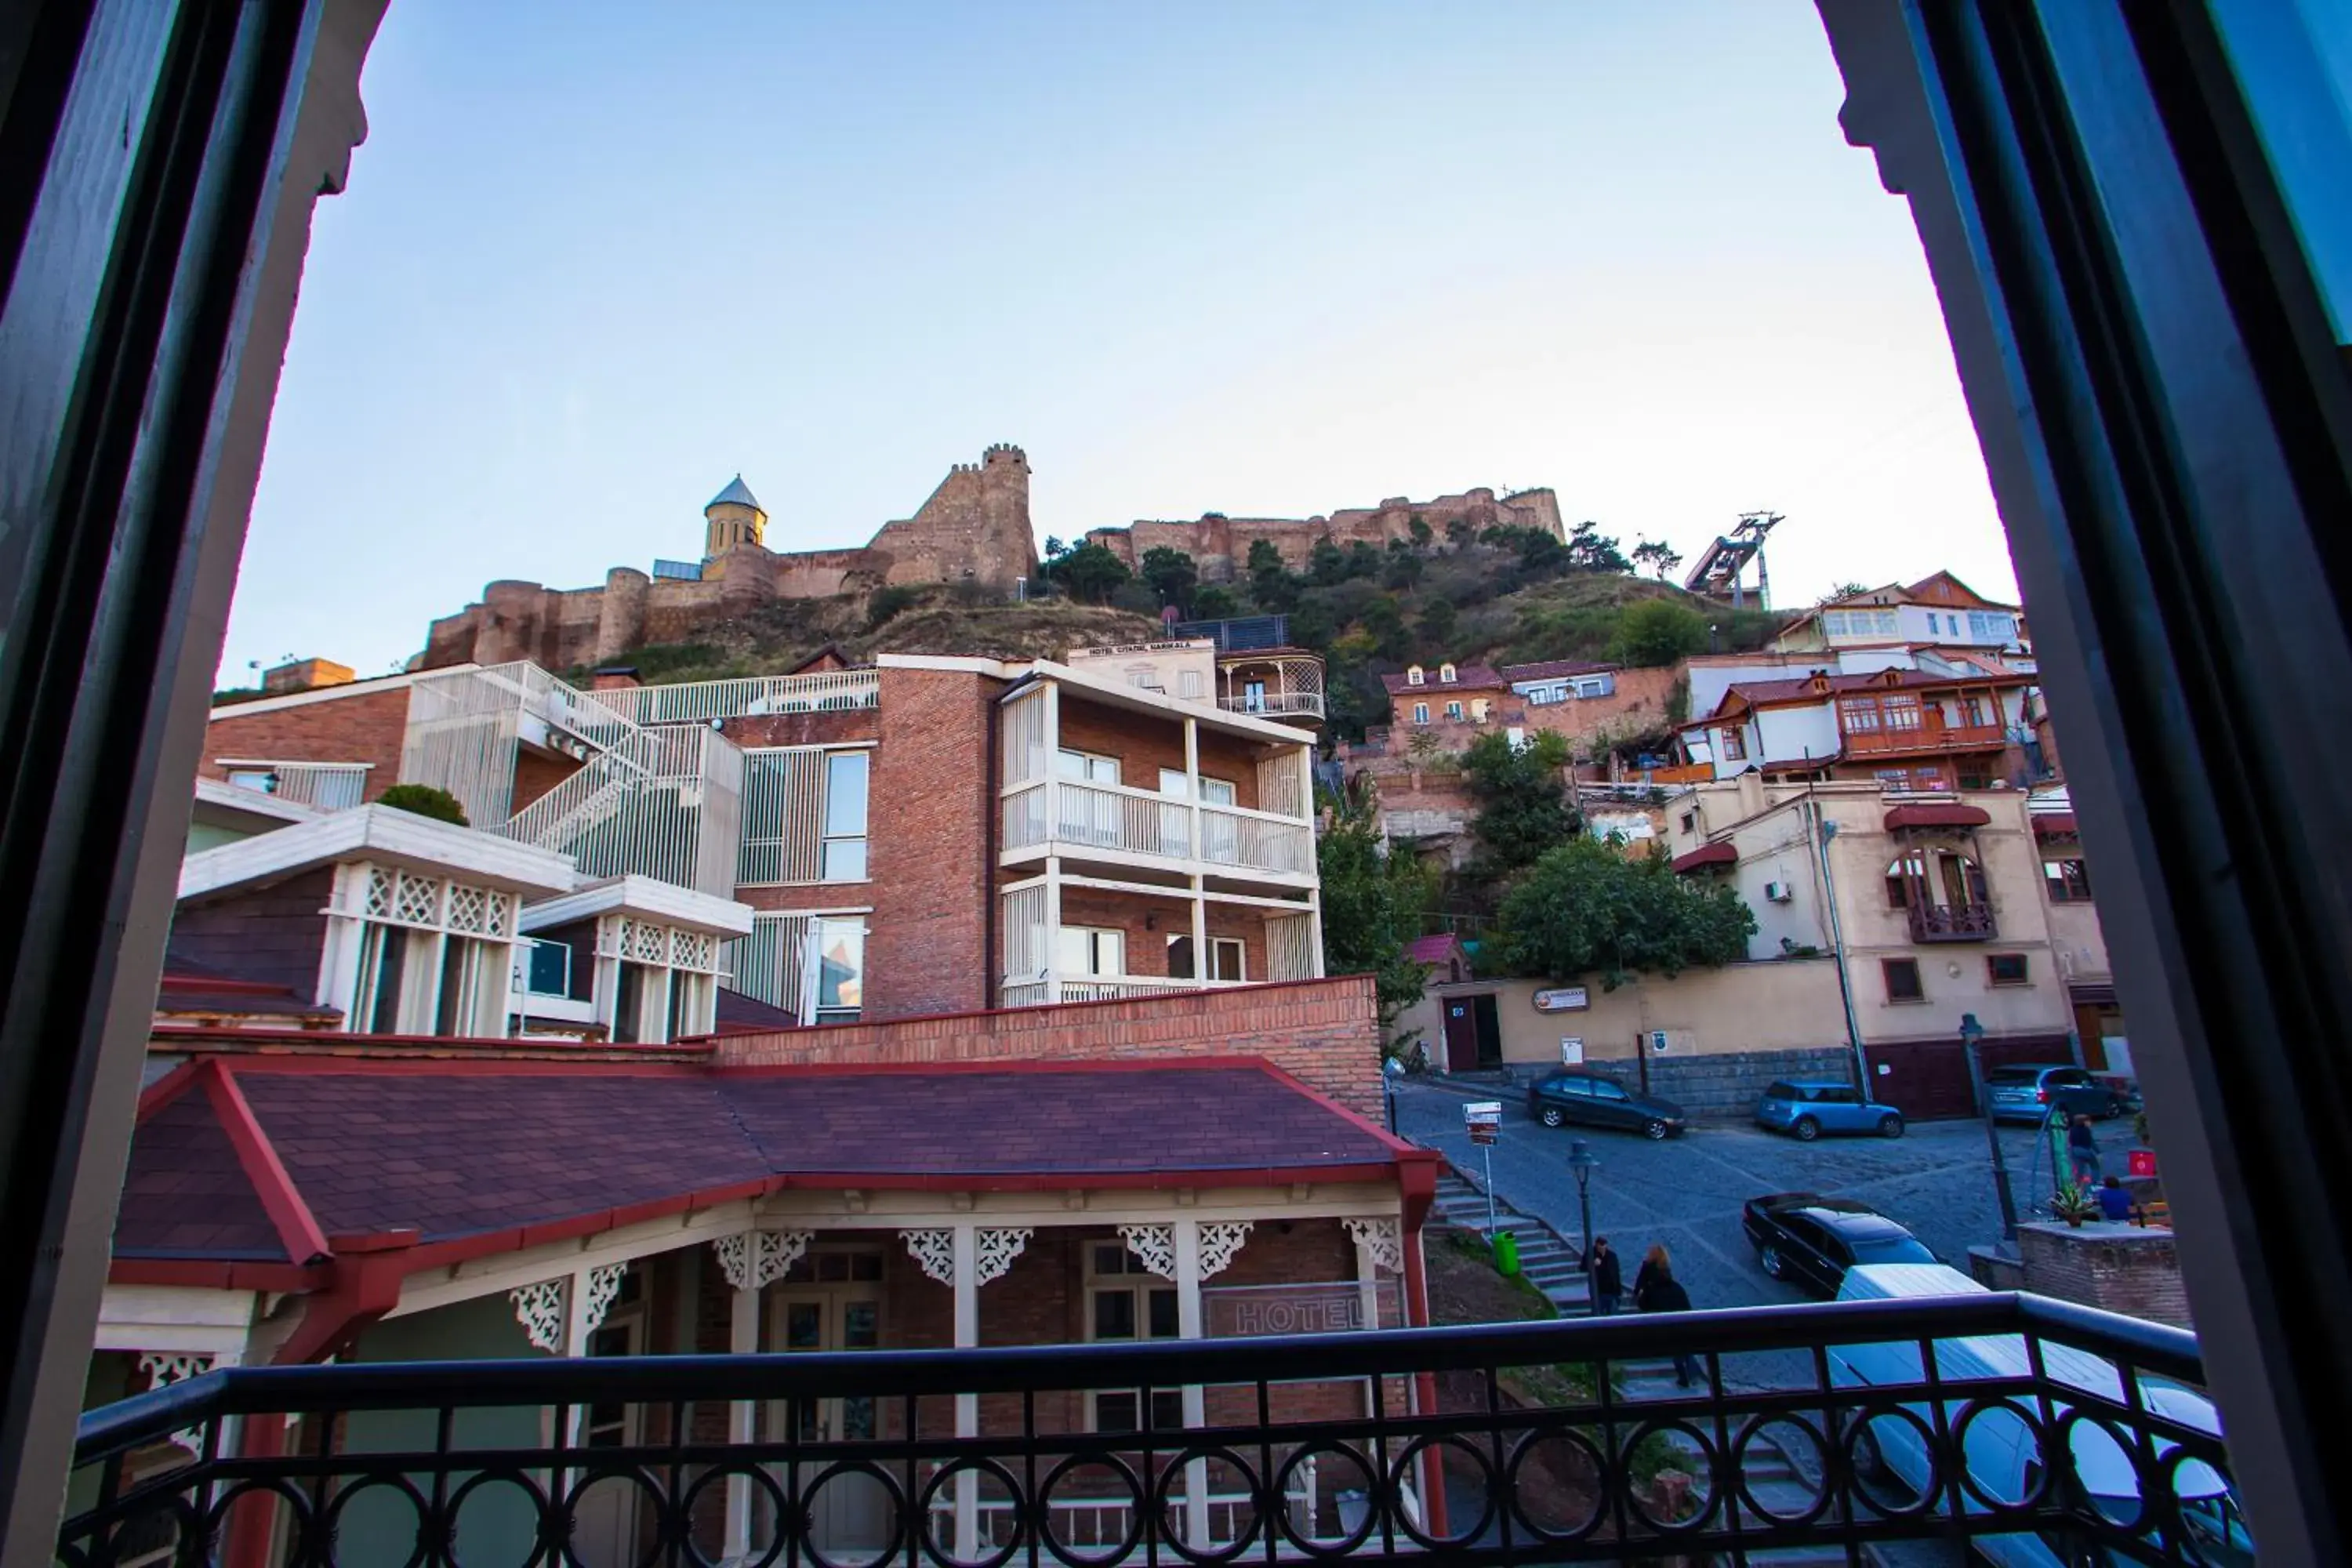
<point>2119,1267</point>
<point>1325,1033</point>
<point>1145,745</point>
<point>933,806</point>
<point>535,774</point>
<point>1725,1084</point>
<point>1147,948</point>
<point>364,727</point>
<point>824,727</point>
<point>273,935</point>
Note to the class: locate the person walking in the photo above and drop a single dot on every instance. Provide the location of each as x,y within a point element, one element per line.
<point>2082,1151</point>
<point>1655,1289</point>
<point>1605,1278</point>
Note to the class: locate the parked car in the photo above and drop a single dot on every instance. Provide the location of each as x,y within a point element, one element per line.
<point>1806,1110</point>
<point>1594,1100</point>
<point>2027,1091</point>
<point>1811,1241</point>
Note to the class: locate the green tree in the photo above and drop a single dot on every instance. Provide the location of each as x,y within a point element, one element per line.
<point>1272,587</point>
<point>1658,556</point>
<point>1590,549</point>
<point>1211,603</point>
<point>423,800</point>
<point>1460,532</point>
<point>1523,804</point>
<point>1657,632</point>
<point>1364,559</point>
<point>1418,529</point>
<point>1169,573</point>
<point>1438,624</point>
<point>1091,572</point>
<point>1384,624</point>
<point>1402,571</point>
<point>1844,590</point>
<point>1582,909</point>
<point>1327,564</point>
<point>1372,901</point>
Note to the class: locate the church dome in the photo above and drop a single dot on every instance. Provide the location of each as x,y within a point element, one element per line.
<point>737,493</point>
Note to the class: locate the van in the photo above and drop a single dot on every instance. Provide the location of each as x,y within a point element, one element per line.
<point>2002,1459</point>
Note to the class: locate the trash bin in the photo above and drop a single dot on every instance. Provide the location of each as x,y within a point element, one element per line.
<point>1507,1253</point>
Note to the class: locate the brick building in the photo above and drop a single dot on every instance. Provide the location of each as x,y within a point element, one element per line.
<point>1220,545</point>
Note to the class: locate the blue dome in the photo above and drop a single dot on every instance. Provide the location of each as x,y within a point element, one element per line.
<point>737,493</point>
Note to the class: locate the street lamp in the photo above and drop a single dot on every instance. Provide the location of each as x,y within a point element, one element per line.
<point>1389,1072</point>
<point>1971,1033</point>
<point>1581,1162</point>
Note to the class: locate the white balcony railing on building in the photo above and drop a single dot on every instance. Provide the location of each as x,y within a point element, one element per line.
<point>1048,989</point>
<point>667,806</point>
<point>700,701</point>
<point>1128,821</point>
<point>323,786</point>
<point>1274,702</point>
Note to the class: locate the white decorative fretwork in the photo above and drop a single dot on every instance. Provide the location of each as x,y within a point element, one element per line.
<point>1220,1239</point>
<point>1381,1239</point>
<point>998,1246</point>
<point>604,1284</point>
<point>379,891</point>
<point>469,907</point>
<point>693,950</point>
<point>645,944</point>
<point>540,1310</point>
<point>165,1368</point>
<point>759,1257</point>
<point>934,1250</point>
<point>418,901</point>
<point>1154,1245</point>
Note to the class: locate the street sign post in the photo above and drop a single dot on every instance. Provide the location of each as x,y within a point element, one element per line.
<point>1484,1120</point>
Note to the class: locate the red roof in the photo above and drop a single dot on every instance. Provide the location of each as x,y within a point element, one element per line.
<point>742,1014</point>
<point>336,1146</point>
<point>1941,814</point>
<point>2054,825</point>
<point>1549,668</point>
<point>1467,677</point>
<point>1798,688</point>
<point>1720,853</point>
<point>191,989</point>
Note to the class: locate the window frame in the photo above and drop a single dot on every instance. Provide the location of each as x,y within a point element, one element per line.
<point>1094,936</point>
<point>1888,968</point>
<point>1993,980</point>
<point>829,835</point>
<point>2061,888</point>
<point>1421,712</point>
<point>1141,1287</point>
<point>1733,743</point>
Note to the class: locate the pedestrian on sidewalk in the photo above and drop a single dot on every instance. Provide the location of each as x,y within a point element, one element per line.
<point>2082,1151</point>
<point>1604,1278</point>
<point>1655,1289</point>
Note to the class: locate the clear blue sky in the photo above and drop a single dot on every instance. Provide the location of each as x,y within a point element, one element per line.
<point>1260,259</point>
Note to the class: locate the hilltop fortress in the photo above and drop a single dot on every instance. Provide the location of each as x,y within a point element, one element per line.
<point>1220,545</point>
<point>973,529</point>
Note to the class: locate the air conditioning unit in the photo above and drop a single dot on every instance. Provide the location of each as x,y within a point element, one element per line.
<point>1778,892</point>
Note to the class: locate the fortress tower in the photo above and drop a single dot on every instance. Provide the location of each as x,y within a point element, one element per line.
<point>733,518</point>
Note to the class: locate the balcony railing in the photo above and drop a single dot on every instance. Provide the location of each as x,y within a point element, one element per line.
<point>1115,818</point>
<point>699,701</point>
<point>1952,923</point>
<point>1928,737</point>
<point>1831,1427</point>
<point>324,786</point>
<point>1275,704</point>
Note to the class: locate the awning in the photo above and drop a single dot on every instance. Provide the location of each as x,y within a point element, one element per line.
<point>2054,825</point>
<point>1941,815</point>
<point>1700,859</point>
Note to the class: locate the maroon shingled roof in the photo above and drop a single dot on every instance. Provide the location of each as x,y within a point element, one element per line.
<point>1467,677</point>
<point>1938,814</point>
<point>1797,687</point>
<point>1549,668</point>
<point>190,988</point>
<point>1720,853</point>
<point>372,1147</point>
<point>742,1014</point>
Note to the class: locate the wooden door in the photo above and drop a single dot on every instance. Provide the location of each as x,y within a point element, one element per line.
<point>850,1516</point>
<point>1461,1036</point>
<point>606,1532</point>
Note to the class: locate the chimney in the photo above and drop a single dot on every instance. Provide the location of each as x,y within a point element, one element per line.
<point>306,675</point>
<point>614,677</point>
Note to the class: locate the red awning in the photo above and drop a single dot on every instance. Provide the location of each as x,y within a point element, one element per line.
<point>1944,814</point>
<point>2054,825</point>
<point>1707,854</point>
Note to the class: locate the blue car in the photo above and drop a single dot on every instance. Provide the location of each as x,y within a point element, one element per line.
<point>1806,1110</point>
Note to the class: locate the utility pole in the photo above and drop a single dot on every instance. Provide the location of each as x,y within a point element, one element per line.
<point>1970,1033</point>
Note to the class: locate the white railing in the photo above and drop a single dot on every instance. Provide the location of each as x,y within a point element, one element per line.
<point>1050,989</point>
<point>666,806</point>
<point>700,701</point>
<point>1308,702</point>
<point>1232,836</point>
<point>325,786</point>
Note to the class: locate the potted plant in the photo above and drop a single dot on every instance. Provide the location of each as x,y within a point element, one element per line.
<point>2074,1205</point>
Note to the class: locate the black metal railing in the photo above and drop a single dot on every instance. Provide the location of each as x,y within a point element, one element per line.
<point>1834,1426</point>
<point>1952,923</point>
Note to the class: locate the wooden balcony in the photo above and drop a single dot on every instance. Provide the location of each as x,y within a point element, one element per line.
<point>1953,922</point>
<point>1932,736</point>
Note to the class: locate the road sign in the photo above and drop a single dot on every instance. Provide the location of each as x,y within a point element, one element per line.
<point>1489,1112</point>
<point>1484,1132</point>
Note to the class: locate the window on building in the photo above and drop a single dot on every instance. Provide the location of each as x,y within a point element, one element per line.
<point>1092,950</point>
<point>2068,880</point>
<point>838,957</point>
<point>1988,627</point>
<point>549,970</point>
<point>433,957</point>
<point>1517,737</point>
<point>1900,711</point>
<point>1902,977</point>
<point>1228,959</point>
<point>629,1004</point>
<point>1478,706</point>
<point>1454,710</point>
<point>1858,715</point>
<point>1906,872</point>
<point>1087,767</point>
<point>265,780</point>
<point>1254,696</point>
<point>384,961</point>
<point>1539,695</point>
<point>1415,676</point>
<point>1189,685</point>
<point>2006,969</point>
<point>1180,958</point>
<point>1596,686</point>
<point>1126,1302</point>
<point>1421,712</point>
<point>1834,623</point>
<point>845,816</point>
<point>1735,744</point>
<point>1446,673</point>
<point>1690,822</point>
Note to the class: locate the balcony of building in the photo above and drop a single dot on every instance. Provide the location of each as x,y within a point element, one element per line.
<point>2045,1432</point>
<point>1896,724</point>
<point>1284,685</point>
<point>1937,880</point>
<point>1068,937</point>
<point>1121,780</point>
<point>321,786</point>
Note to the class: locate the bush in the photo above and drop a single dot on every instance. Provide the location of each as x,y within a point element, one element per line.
<point>888,602</point>
<point>1655,633</point>
<point>423,800</point>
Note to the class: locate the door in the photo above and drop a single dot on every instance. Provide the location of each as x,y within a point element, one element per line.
<point>850,1515</point>
<point>1489,1032</point>
<point>605,1533</point>
<point>1461,1036</point>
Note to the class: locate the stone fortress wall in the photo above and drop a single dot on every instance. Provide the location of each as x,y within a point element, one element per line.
<point>975,528</point>
<point>1220,545</point>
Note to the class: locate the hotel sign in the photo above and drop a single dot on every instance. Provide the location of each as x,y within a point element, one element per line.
<point>1337,1308</point>
<point>1563,999</point>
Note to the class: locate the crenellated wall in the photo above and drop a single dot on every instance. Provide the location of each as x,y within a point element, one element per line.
<point>1220,545</point>
<point>975,528</point>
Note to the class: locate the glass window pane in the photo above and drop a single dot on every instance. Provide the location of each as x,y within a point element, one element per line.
<point>1164,1315</point>
<point>550,969</point>
<point>1113,1314</point>
<point>1217,792</point>
<point>803,1326</point>
<point>1167,1410</point>
<point>1110,1259</point>
<point>1115,1412</point>
<point>845,795</point>
<point>844,860</point>
<point>861,1325</point>
<point>841,965</point>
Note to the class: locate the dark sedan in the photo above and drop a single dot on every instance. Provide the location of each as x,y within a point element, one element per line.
<point>1594,1100</point>
<point>1811,1241</point>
